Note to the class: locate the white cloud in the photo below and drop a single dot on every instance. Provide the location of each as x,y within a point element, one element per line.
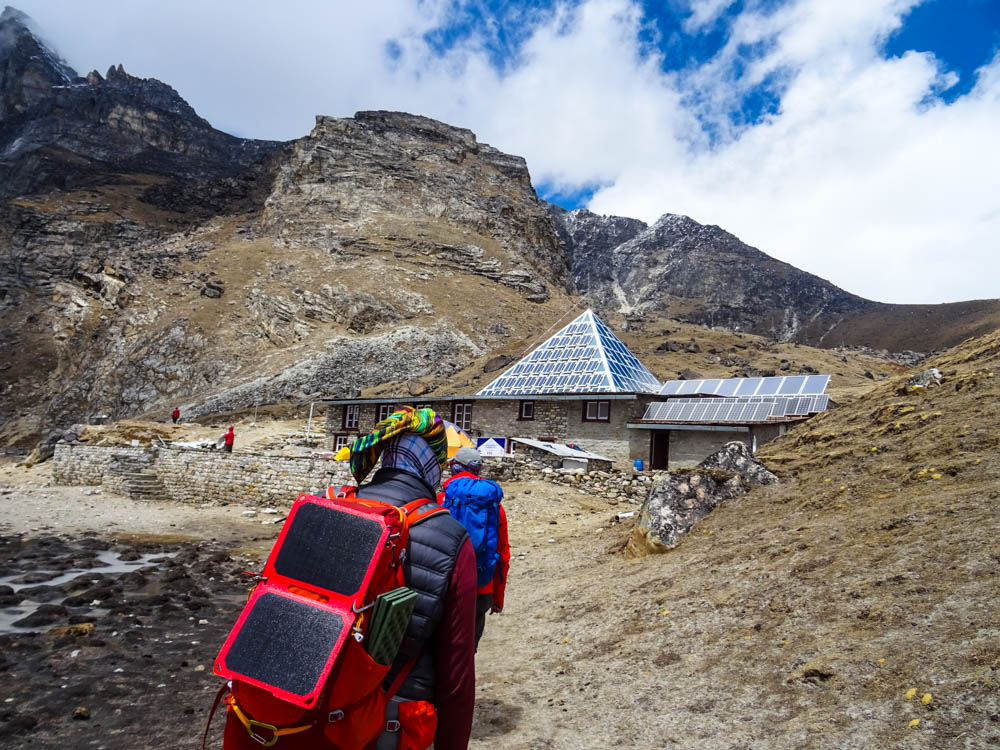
<point>704,12</point>
<point>858,177</point>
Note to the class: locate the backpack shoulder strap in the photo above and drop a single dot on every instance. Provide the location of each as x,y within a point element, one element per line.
<point>343,492</point>
<point>412,510</point>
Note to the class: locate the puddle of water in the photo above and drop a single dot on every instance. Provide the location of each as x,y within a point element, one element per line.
<point>112,565</point>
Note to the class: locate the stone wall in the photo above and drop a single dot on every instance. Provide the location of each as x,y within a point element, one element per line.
<point>205,476</point>
<point>690,447</point>
<point>613,486</point>
<point>193,476</point>
<point>87,464</point>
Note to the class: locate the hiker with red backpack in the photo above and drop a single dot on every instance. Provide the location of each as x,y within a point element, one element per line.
<point>361,633</point>
<point>476,503</point>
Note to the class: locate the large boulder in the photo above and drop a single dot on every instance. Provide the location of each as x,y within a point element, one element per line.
<point>735,458</point>
<point>677,501</point>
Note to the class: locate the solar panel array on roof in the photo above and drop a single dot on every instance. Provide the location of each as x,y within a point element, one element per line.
<point>726,409</point>
<point>583,357</point>
<point>709,410</point>
<point>786,385</point>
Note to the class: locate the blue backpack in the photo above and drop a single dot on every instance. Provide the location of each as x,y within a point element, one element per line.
<point>476,504</point>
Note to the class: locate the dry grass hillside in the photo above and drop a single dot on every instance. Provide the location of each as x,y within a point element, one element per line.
<point>722,353</point>
<point>797,616</point>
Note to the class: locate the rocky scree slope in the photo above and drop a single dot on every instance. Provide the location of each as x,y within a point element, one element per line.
<point>702,274</point>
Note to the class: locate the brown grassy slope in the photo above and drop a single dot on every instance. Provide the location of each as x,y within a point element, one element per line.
<point>923,328</point>
<point>847,367</point>
<point>796,616</point>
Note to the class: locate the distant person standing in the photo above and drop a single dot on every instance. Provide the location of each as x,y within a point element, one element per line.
<point>476,503</point>
<point>177,414</point>
<point>229,438</point>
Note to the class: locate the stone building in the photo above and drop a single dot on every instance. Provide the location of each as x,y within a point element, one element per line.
<point>582,386</point>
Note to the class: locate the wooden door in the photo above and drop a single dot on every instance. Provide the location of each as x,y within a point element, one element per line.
<point>659,449</point>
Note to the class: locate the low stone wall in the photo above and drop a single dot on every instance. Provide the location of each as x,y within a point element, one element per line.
<point>74,464</point>
<point>192,476</point>
<point>205,476</point>
<point>613,486</point>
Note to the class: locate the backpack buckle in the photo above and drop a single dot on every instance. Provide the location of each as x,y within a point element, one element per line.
<point>392,725</point>
<point>334,716</point>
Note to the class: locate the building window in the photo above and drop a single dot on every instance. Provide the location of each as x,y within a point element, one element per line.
<point>351,413</point>
<point>461,415</point>
<point>423,406</point>
<point>384,410</point>
<point>596,411</point>
<point>340,440</point>
<point>527,411</point>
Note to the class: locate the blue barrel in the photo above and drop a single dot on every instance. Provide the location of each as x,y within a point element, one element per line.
<point>637,464</point>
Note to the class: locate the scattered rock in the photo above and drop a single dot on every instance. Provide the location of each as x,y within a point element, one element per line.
<point>81,630</point>
<point>497,363</point>
<point>417,387</point>
<point>670,346</point>
<point>688,374</point>
<point>46,614</point>
<point>81,713</point>
<point>924,379</point>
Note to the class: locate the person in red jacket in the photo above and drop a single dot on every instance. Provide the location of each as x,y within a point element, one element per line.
<point>467,462</point>
<point>177,414</point>
<point>229,437</point>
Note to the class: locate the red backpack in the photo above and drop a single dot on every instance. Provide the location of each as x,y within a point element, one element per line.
<point>300,677</point>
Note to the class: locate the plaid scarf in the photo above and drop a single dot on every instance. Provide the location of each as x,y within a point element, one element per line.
<point>366,450</point>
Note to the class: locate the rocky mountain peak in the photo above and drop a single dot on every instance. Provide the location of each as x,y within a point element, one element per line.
<point>59,130</point>
<point>28,68</point>
<point>422,190</point>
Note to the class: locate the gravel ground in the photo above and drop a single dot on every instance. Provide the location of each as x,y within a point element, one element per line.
<point>774,625</point>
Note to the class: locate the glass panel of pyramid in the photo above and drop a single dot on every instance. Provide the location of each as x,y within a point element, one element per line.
<point>583,357</point>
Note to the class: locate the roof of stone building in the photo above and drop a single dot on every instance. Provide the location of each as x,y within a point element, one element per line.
<point>582,357</point>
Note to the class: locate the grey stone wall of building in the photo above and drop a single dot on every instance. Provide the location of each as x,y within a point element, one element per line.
<point>691,447</point>
<point>558,420</point>
<point>639,446</point>
<point>765,433</point>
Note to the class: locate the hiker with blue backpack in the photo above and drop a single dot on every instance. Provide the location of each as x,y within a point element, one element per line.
<point>476,502</point>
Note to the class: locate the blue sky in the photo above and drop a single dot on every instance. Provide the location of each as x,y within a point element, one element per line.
<point>855,139</point>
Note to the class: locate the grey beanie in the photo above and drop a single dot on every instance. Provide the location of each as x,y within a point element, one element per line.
<point>466,455</point>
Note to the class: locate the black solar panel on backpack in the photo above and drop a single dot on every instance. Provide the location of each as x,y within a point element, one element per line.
<point>314,552</point>
<point>285,643</point>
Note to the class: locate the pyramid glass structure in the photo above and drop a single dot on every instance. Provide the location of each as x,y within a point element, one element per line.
<point>583,357</point>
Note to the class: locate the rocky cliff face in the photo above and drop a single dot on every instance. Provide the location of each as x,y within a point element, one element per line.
<point>427,192</point>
